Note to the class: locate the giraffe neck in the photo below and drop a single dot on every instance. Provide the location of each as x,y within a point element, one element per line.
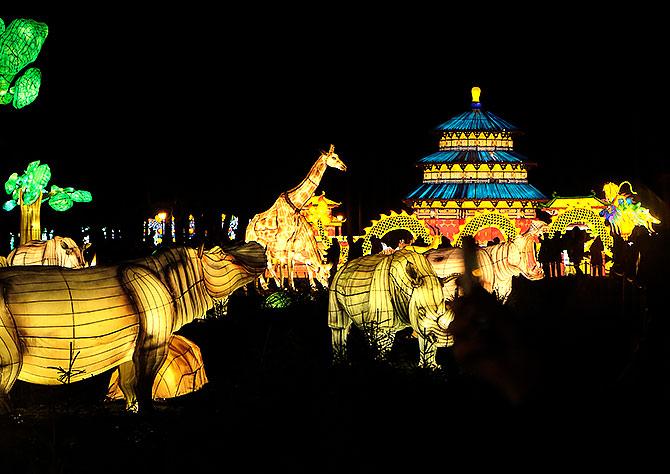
<point>299,195</point>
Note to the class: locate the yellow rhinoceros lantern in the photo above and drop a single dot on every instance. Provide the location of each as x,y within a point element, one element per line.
<point>496,264</point>
<point>384,293</point>
<point>59,325</point>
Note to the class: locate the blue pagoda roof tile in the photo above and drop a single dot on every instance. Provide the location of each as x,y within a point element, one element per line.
<point>505,191</point>
<point>477,120</point>
<point>473,156</point>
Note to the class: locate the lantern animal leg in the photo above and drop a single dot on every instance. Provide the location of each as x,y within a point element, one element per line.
<point>339,323</point>
<point>384,342</point>
<point>11,358</point>
<point>263,282</point>
<point>339,341</point>
<point>427,352</point>
<point>156,320</point>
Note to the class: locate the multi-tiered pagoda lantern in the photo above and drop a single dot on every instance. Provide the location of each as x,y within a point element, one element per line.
<point>476,184</point>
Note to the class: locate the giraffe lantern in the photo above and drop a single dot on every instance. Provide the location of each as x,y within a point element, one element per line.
<point>285,233</point>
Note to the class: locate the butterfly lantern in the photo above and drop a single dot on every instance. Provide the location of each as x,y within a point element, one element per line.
<point>623,213</point>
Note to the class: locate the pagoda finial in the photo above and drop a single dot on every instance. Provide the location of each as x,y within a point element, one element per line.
<point>476,91</point>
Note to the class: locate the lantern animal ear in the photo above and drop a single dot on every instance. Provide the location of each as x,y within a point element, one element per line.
<point>411,271</point>
<point>201,250</point>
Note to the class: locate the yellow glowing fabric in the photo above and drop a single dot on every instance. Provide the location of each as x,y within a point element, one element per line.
<point>285,233</point>
<point>483,220</point>
<point>572,215</point>
<point>382,294</point>
<point>395,221</point>
<point>497,264</point>
<point>59,251</point>
<point>483,140</point>
<point>183,372</point>
<point>476,92</point>
<point>59,324</point>
<point>623,213</point>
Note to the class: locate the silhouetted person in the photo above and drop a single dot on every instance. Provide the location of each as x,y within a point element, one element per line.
<point>551,253</point>
<point>333,257</point>
<point>420,242</point>
<point>445,243</point>
<point>625,256</point>
<point>596,257</point>
<point>355,248</point>
<point>575,248</point>
<point>375,245</point>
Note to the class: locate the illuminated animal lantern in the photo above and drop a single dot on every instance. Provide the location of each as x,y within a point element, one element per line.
<point>382,294</point>
<point>183,372</point>
<point>279,229</point>
<point>59,325</point>
<point>305,250</point>
<point>623,213</point>
<point>59,251</point>
<point>496,264</point>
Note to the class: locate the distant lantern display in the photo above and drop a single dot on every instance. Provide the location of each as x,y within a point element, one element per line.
<point>191,226</point>
<point>232,228</point>
<point>475,184</point>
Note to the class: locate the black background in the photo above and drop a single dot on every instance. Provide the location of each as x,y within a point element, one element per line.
<point>196,108</point>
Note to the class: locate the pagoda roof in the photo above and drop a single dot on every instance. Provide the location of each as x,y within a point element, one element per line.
<point>473,156</point>
<point>575,201</point>
<point>477,120</point>
<point>314,200</point>
<point>483,191</point>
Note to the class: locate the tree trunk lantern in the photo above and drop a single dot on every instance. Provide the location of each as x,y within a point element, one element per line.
<point>29,192</point>
<point>30,220</point>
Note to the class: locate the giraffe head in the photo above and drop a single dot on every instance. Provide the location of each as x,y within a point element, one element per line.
<point>333,160</point>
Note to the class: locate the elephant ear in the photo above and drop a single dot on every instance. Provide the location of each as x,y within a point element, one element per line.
<point>413,275</point>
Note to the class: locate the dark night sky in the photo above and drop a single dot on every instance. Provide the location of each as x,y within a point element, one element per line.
<point>229,109</point>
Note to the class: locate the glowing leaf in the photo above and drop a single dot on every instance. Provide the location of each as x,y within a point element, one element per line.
<point>32,166</point>
<point>30,195</point>
<point>6,95</point>
<point>277,300</point>
<point>61,202</point>
<point>9,205</point>
<point>20,44</point>
<point>41,176</point>
<point>81,196</point>
<point>27,88</point>
<point>10,184</point>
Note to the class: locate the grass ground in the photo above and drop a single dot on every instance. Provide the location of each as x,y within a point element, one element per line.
<point>274,403</point>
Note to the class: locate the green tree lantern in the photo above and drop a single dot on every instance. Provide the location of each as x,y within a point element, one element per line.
<point>20,44</point>
<point>29,191</point>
